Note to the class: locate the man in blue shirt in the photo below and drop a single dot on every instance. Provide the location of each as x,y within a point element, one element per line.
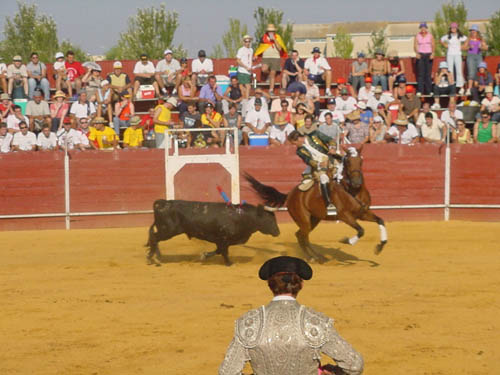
<point>211,93</point>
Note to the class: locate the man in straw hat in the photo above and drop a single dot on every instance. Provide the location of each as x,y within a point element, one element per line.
<point>272,48</point>
<point>133,137</point>
<point>285,337</point>
<point>102,137</point>
<point>402,131</point>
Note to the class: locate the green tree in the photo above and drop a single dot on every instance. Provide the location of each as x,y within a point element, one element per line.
<point>150,31</point>
<point>343,43</point>
<point>218,52</point>
<point>450,12</point>
<point>493,34</point>
<point>80,54</point>
<point>377,41</point>
<point>28,32</point>
<point>263,17</point>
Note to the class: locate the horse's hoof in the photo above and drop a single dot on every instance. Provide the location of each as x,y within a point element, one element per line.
<point>379,247</point>
<point>345,240</point>
<point>203,256</point>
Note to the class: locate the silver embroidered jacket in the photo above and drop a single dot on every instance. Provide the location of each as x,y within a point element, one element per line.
<point>286,338</point>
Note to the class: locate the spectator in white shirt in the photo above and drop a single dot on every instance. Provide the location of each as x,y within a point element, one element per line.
<point>167,72</point>
<point>245,58</point>
<point>367,91</point>
<point>24,140</point>
<point>145,73</point>
<point>202,68</point>
<point>337,116</point>
<point>451,115</point>
<point>319,67</point>
<point>17,75</point>
<point>15,119</point>
<point>5,138</point>
<point>46,140</point>
<point>256,121</point>
<point>432,131</point>
<point>402,131</point>
<point>82,109</point>
<point>378,98</point>
<point>69,137</point>
<point>345,103</point>
<point>454,41</point>
<point>313,93</point>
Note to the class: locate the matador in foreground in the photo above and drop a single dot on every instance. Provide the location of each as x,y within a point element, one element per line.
<point>285,337</point>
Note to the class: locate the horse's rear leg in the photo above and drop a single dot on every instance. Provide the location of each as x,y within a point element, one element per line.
<point>370,216</point>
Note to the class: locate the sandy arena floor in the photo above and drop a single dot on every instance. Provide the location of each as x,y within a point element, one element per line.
<point>84,301</point>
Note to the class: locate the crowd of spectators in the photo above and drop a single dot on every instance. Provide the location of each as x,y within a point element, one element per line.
<point>375,103</point>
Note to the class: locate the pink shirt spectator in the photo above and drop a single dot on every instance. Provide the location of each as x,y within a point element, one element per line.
<point>424,43</point>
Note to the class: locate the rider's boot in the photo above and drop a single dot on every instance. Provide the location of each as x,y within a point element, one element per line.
<point>325,192</point>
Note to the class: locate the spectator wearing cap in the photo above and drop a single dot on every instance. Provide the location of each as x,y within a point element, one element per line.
<point>293,70</point>
<point>92,81</point>
<point>320,69</point>
<point>475,45</point>
<point>3,76</point>
<point>211,93</point>
<point>378,98</point>
<point>17,75</point>
<point>424,48</point>
<point>58,110</point>
<point>232,95</point>
<point>454,42</point>
<point>202,68</point>
<point>82,108</point>
<point>444,84</point>
<point>163,119</point>
<point>402,132</point>
<point>6,106</point>
<point>432,130</point>
<point>5,138</point>
<point>74,71</point>
<point>38,112</point>
<point>46,140</point>
<point>24,140</point>
<point>168,72</point>
<point>359,69</point>
<point>379,68</point>
<point>144,72</point>
<point>249,104</point>
<point>272,49</point>
<point>337,116</point>
<point>482,79</point>
<point>61,74</point>
<point>67,137</point>
<point>342,83</point>
<point>37,77</point>
<point>378,130</point>
<point>485,129</point>
<point>244,58</point>
<point>257,121</point>
<point>15,118</point>
<point>103,100</point>
<point>396,69</point>
<point>367,91</point>
<point>133,137</point>
<point>345,103</point>
<point>312,93</point>
<point>102,137</point>
<point>365,113</point>
<point>124,111</point>
<point>357,131</point>
<point>119,81</point>
<point>491,104</point>
<point>410,104</point>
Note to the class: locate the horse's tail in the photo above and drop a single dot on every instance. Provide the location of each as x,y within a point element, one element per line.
<point>270,195</point>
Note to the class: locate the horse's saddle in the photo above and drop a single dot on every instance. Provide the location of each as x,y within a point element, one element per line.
<point>306,184</point>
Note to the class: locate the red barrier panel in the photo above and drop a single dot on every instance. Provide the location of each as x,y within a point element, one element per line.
<point>128,180</point>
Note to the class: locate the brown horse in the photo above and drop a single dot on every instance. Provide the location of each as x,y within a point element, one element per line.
<point>352,175</point>
<point>307,208</point>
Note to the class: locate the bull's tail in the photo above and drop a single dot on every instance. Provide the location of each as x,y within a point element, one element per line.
<point>270,195</point>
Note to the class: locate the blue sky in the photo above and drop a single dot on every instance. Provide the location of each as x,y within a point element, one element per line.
<point>95,25</point>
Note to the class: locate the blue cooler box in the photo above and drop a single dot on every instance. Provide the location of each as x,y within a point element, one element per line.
<point>258,139</point>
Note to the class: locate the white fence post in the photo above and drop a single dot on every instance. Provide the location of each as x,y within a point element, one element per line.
<point>447,177</point>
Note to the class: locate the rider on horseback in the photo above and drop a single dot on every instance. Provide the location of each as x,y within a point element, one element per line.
<point>315,150</point>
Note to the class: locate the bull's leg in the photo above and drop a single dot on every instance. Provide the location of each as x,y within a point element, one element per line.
<point>153,247</point>
<point>221,249</point>
<point>370,216</point>
<point>209,254</point>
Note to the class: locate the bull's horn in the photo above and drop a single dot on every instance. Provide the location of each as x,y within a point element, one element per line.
<point>270,209</point>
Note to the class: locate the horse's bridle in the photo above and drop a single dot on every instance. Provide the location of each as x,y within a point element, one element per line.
<point>350,174</point>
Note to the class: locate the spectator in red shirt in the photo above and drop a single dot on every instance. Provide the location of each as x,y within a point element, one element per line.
<point>6,107</point>
<point>74,71</point>
<point>147,122</point>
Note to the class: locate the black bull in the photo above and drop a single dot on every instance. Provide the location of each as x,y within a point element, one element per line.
<point>213,222</point>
